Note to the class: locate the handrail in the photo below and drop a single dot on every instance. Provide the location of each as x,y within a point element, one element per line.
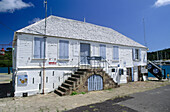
<point>78,64</point>
<point>154,64</point>
<point>98,60</point>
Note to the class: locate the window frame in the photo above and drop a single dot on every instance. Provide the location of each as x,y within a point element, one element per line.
<point>100,50</point>
<point>59,50</point>
<point>117,58</point>
<point>33,52</point>
<point>136,57</point>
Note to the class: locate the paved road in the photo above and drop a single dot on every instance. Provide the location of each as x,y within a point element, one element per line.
<point>157,100</point>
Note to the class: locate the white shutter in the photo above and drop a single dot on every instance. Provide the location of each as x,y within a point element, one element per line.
<point>63,49</point>
<point>133,53</point>
<point>140,55</point>
<point>103,51</point>
<point>36,48</point>
<point>115,53</point>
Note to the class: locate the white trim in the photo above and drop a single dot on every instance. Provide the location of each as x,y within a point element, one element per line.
<point>32,90</point>
<point>82,40</point>
<point>36,67</point>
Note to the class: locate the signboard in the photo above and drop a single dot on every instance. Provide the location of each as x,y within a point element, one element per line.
<point>22,80</point>
<point>144,70</point>
<point>52,61</point>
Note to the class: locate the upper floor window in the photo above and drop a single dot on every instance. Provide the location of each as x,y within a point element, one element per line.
<point>136,54</point>
<point>115,53</point>
<point>63,49</point>
<point>38,48</point>
<point>103,51</point>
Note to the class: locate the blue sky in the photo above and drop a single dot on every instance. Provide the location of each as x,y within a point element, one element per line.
<point>124,16</point>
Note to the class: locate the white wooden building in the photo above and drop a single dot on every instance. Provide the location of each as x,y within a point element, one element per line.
<point>67,42</point>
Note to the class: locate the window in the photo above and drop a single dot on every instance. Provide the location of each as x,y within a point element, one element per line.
<point>103,51</point>
<point>46,79</point>
<point>120,71</point>
<point>38,48</point>
<point>136,54</point>
<point>63,49</point>
<point>115,53</point>
<point>53,73</point>
<point>113,70</point>
<point>33,80</point>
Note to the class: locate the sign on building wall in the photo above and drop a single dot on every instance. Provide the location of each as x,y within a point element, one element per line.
<point>22,80</point>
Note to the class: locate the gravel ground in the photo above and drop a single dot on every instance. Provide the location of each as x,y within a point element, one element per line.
<point>52,102</point>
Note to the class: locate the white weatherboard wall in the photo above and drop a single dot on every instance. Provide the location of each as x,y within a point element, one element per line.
<point>25,62</point>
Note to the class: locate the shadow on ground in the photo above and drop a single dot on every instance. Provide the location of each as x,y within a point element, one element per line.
<point>6,90</point>
<point>107,106</point>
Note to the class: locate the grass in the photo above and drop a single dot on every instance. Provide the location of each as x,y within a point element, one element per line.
<point>75,93</point>
<point>91,106</point>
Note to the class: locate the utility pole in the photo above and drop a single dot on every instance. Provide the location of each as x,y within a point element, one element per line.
<point>144,32</point>
<point>45,30</point>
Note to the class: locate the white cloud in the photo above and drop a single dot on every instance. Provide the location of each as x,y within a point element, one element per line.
<point>160,3</point>
<point>34,20</point>
<point>12,5</point>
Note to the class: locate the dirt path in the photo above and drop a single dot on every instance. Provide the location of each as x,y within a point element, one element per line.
<point>53,103</point>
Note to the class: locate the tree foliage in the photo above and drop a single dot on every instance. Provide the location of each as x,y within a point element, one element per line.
<point>6,60</point>
<point>159,55</point>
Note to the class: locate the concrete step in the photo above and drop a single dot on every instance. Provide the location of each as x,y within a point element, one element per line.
<point>83,70</point>
<point>60,93</point>
<point>74,75</point>
<point>69,82</point>
<point>63,89</point>
<point>73,78</point>
<point>66,85</point>
<point>79,72</point>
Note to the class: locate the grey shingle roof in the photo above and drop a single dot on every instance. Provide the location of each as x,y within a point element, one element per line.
<point>62,27</point>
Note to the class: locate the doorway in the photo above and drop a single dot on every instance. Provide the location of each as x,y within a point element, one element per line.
<point>84,52</point>
<point>95,82</point>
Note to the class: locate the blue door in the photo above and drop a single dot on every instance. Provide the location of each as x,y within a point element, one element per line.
<point>84,52</point>
<point>95,82</point>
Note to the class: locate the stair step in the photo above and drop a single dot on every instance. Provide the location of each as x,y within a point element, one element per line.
<point>73,78</point>
<point>79,72</point>
<point>74,75</point>
<point>63,89</point>
<point>60,93</point>
<point>70,82</point>
<point>66,85</point>
<point>83,70</point>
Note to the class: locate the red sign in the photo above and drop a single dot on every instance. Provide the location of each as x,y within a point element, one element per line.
<point>52,63</point>
<point>2,51</point>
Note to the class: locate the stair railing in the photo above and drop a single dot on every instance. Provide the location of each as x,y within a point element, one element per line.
<point>95,62</point>
<point>154,65</point>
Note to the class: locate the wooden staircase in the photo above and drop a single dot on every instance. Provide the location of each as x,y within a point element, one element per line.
<point>78,81</point>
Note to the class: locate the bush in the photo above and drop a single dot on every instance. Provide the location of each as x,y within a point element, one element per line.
<point>74,93</point>
<point>83,92</point>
